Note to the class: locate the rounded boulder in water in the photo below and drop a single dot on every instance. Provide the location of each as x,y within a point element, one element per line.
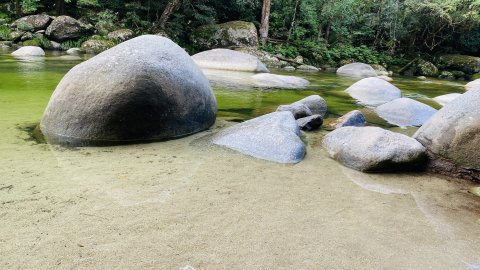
<point>145,89</point>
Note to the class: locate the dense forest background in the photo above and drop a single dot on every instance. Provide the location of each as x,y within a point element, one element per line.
<point>324,31</point>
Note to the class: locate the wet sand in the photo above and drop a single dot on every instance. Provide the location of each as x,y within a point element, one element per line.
<point>183,204</point>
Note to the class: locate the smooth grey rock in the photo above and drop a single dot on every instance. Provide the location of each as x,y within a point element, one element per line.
<point>453,133</point>
<point>224,59</point>
<point>144,89</point>
<point>359,70</point>
<point>55,45</point>
<point>15,36</point>
<point>32,22</point>
<point>373,91</point>
<point>289,68</point>
<point>310,123</point>
<point>422,78</point>
<point>26,36</point>
<point>354,118</point>
<point>66,27</point>
<point>298,110</point>
<point>307,68</point>
<point>315,103</point>
<point>121,34</point>
<point>274,137</point>
<point>445,99</point>
<point>473,85</point>
<point>269,80</point>
<point>405,112</point>
<point>74,51</point>
<point>27,51</point>
<point>372,149</point>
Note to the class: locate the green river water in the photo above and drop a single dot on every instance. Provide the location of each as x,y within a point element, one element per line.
<point>182,204</point>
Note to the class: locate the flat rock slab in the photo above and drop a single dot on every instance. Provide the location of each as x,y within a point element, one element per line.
<point>372,149</point>
<point>274,137</point>
<point>373,91</point>
<point>405,112</point>
<point>224,59</point>
<point>445,99</point>
<point>268,80</point>
<point>358,70</point>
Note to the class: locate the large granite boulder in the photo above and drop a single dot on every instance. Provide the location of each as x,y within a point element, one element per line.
<point>473,85</point>
<point>425,68</point>
<point>66,27</point>
<point>274,137</point>
<point>372,149</point>
<point>359,70</point>
<point>267,80</point>
<point>224,59</point>
<point>225,35</point>
<point>465,63</point>
<point>28,51</point>
<point>405,112</point>
<point>373,91</point>
<point>145,89</point>
<point>32,23</point>
<point>453,135</point>
<point>354,118</point>
<point>445,99</point>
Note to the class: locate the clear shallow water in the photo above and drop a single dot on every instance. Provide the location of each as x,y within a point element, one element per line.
<point>183,203</point>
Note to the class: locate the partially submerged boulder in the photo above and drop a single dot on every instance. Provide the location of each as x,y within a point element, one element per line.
<point>465,63</point>
<point>28,51</point>
<point>359,70</point>
<point>315,103</point>
<point>65,27</point>
<point>225,35</point>
<point>473,85</point>
<point>32,22</point>
<point>445,99</point>
<point>268,80</point>
<point>405,112</point>
<point>452,136</point>
<point>224,59</point>
<point>145,89</point>
<point>274,137</point>
<point>373,91</point>
<point>298,110</point>
<point>354,118</point>
<point>372,149</point>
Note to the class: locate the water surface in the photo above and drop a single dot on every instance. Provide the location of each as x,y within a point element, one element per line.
<point>183,204</point>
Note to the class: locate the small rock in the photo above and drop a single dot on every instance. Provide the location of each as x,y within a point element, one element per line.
<point>121,34</point>
<point>26,36</point>
<point>307,68</point>
<point>289,68</point>
<point>96,46</point>
<point>274,137</point>
<point>422,78</point>
<point>354,118</point>
<point>27,51</point>
<point>310,123</point>
<point>298,59</point>
<point>298,110</point>
<point>74,51</point>
<point>315,103</point>
<point>372,149</point>
<point>55,45</point>
<point>359,70</point>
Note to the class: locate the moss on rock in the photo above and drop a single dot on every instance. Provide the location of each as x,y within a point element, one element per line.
<point>465,63</point>
<point>229,34</point>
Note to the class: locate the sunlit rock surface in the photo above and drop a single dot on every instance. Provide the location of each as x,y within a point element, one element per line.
<point>373,91</point>
<point>405,112</point>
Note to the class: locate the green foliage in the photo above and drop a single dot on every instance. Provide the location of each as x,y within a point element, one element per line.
<point>5,32</point>
<point>72,43</point>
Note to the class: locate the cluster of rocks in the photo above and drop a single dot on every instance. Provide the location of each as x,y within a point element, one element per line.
<point>49,32</point>
<point>449,66</point>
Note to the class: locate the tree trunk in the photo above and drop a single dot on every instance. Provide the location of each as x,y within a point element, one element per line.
<point>18,8</point>
<point>60,7</point>
<point>293,20</point>
<point>169,9</point>
<point>265,21</point>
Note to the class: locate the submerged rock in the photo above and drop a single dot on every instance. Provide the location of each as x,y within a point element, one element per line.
<point>372,149</point>
<point>229,34</point>
<point>473,85</point>
<point>279,81</point>
<point>354,118</point>
<point>445,99</point>
<point>360,70</point>
<point>310,123</point>
<point>224,59</point>
<point>453,135</point>
<point>29,51</point>
<point>65,27</point>
<point>145,89</point>
<point>405,112</point>
<point>274,137</point>
<point>373,91</point>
